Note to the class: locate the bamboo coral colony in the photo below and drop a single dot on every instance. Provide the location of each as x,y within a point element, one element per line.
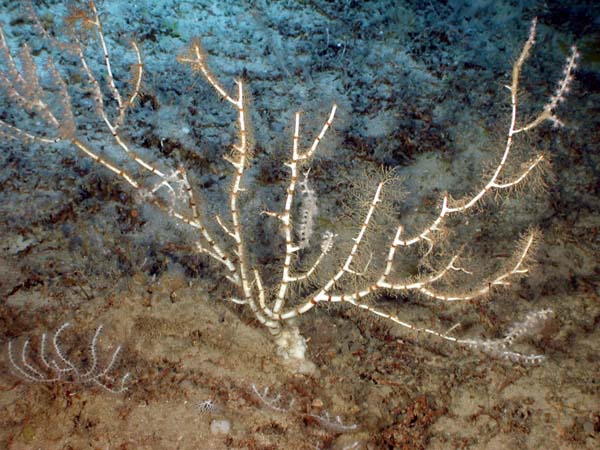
<point>342,270</point>
<point>54,364</point>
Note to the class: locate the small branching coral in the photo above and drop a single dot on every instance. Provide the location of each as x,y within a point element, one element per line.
<point>286,405</point>
<point>50,363</point>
